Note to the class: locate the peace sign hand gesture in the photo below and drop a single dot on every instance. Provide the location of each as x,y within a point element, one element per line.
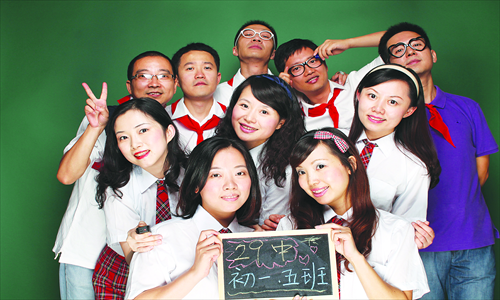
<point>96,110</point>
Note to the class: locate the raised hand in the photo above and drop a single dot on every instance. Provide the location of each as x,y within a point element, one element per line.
<point>208,249</point>
<point>96,110</point>
<point>331,47</point>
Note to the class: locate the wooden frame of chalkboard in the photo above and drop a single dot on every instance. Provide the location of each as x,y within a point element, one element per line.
<point>278,265</point>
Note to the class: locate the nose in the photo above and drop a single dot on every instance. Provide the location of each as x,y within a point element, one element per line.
<point>378,107</point>
<point>154,82</point>
<point>250,116</point>
<point>312,180</point>
<point>257,38</point>
<point>199,73</point>
<point>229,184</point>
<point>135,142</point>
<point>410,51</point>
<point>308,70</point>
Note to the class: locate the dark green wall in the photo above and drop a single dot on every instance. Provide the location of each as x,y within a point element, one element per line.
<point>48,48</point>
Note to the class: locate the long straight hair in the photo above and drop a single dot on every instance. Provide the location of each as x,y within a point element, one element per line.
<point>412,133</point>
<point>276,93</point>
<point>116,169</point>
<point>196,175</point>
<point>307,212</point>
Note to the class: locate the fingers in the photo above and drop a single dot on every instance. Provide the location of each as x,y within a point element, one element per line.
<point>89,91</point>
<point>424,234</point>
<point>257,228</point>
<point>286,77</point>
<point>328,225</point>
<point>269,225</point>
<point>104,93</point>
<point>276,218</point>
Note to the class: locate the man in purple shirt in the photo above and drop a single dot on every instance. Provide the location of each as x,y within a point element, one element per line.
<point>460,264</point>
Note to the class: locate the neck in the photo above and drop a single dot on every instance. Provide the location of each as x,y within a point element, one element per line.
<point>341,207</point>
<point>320,96</point>
<point>199,108</point>
<point>257,67</point>
<point>428,86</point>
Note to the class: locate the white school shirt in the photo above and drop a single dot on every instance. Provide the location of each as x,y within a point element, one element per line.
<point>188,137</point>
<point>344,101</point>
<point>138,203</point>
<point>176,255</point>
<point>398,179</point>
<point>394,256</point>
<point>82,233</point>
<point>225,90</point>
<point>274,198</point>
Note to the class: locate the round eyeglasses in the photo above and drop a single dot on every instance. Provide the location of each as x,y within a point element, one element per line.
<point>149,77</point>
<point>399,49</point>
<point>250,33</point>
<point>299,69</point>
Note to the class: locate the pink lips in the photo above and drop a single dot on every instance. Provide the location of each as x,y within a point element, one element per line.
<point>412,62</point>
<point>247,129</point>
<point>319,191</point>
<point>313,80</point>
<point>154,94</point>
<point>375,119</point>
<point>141,154</point>
<point>230,198</point>
<point>200,83</point>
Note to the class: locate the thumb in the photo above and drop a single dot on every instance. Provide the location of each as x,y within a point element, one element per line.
<point>142,223</point>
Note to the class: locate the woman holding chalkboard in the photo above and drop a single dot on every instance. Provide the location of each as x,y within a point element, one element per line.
<point>265,115</point>
<point>378,256</point>
<point>219,194</point>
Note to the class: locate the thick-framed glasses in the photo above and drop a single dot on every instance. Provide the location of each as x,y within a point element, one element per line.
<point>149,77</point>
<point>250,33</point>
<point>299,69</point>
<point>399,49</point>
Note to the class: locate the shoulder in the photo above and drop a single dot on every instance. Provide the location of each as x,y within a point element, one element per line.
<point>389,223</point>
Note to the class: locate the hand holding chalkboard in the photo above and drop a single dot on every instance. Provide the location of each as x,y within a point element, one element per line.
<point>278,265</point>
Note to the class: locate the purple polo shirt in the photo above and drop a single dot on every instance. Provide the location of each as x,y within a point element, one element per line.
<point>457,211</point>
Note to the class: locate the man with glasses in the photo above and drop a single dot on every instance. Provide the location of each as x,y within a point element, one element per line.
<point>82,234</point>
<point>254,45</point>
<point>197,113</point>
<point>460,263</point>
<point>324,102</point>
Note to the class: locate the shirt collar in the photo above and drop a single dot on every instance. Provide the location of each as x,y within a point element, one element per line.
<point>143,178</point>
<point>333,86</point>
<point>385,144</point>
<point>440,99</point>
<point>204,221</point>
<point>182,110</point>
<point>238,78</point>
<point>330,213</point>
<point>255,153</point>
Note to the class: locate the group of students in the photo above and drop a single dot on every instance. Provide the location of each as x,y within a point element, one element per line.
<point>262,152</point>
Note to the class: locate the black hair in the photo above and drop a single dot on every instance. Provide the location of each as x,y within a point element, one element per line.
<point>383,50</point>
<point>412,133</point>
<point>307,212</point>
<point>115,170</point>
<point>176,59</point>
<point>272,91</point>
<point>257,22</point>
<point>130,68</point>
<point>288,49</point>
<point>196,175</point>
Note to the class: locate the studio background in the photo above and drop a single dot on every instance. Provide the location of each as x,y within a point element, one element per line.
<point>48,48</point>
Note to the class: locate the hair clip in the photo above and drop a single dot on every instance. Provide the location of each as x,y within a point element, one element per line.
<point>326,135</point>
<point>279,81</point>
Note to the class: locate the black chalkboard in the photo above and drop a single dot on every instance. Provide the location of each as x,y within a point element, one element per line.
<point>264,265</point>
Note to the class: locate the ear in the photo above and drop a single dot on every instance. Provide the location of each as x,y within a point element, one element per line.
<point>272,54</point>
<point>170,133</point>
<point>129,87</point>
<point>235,51</point>
<point>197,191</point>
<point>218,78</point>
<point>410,111</point>
<point>352,161</point>
<point>434,56</point>
<point>280,123</point>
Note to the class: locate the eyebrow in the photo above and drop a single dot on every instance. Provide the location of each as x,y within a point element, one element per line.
<point>235,167</point>
<point>139,125</point>
<point>146,70</point>
<point>194,62</point>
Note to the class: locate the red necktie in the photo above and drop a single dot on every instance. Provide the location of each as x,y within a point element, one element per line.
<point>194,125</point>
<point>332,110</point>
<point>337,221</point>
<point>366,154</point>
<point>162,204</point>
<point>436,122</point>
<point>225,230</point>
<point>124,99</point>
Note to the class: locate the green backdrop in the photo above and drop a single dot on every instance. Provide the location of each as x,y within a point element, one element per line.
<point>48,48</point>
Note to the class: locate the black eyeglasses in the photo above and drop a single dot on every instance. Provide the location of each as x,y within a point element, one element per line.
<point>299,69</point>
<point>399,49</point>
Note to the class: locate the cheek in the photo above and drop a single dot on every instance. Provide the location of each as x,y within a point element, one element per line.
<point>124,148</point>
<point>269,125</point>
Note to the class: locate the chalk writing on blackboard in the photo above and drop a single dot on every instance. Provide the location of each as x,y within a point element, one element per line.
<point>277,264</point>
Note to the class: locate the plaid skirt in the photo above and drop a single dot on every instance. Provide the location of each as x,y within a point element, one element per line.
<point>110,275</point>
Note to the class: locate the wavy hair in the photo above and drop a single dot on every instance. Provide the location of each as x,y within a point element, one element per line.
<point>115,170</point>
<point>307,212</point>
<point>272,91</point>
<point>412,133</point>
<point>195,178</point>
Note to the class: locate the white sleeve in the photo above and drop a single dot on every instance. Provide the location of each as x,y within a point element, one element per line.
<point>149,270</point>
<point>275,200</point>
<point>404,269</point>
<point>98,150</point>
<point>121,216</point>
<point>412,203</point>
<point>355,77</point>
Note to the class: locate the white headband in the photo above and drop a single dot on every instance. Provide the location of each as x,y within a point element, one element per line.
<point>402,70</point>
